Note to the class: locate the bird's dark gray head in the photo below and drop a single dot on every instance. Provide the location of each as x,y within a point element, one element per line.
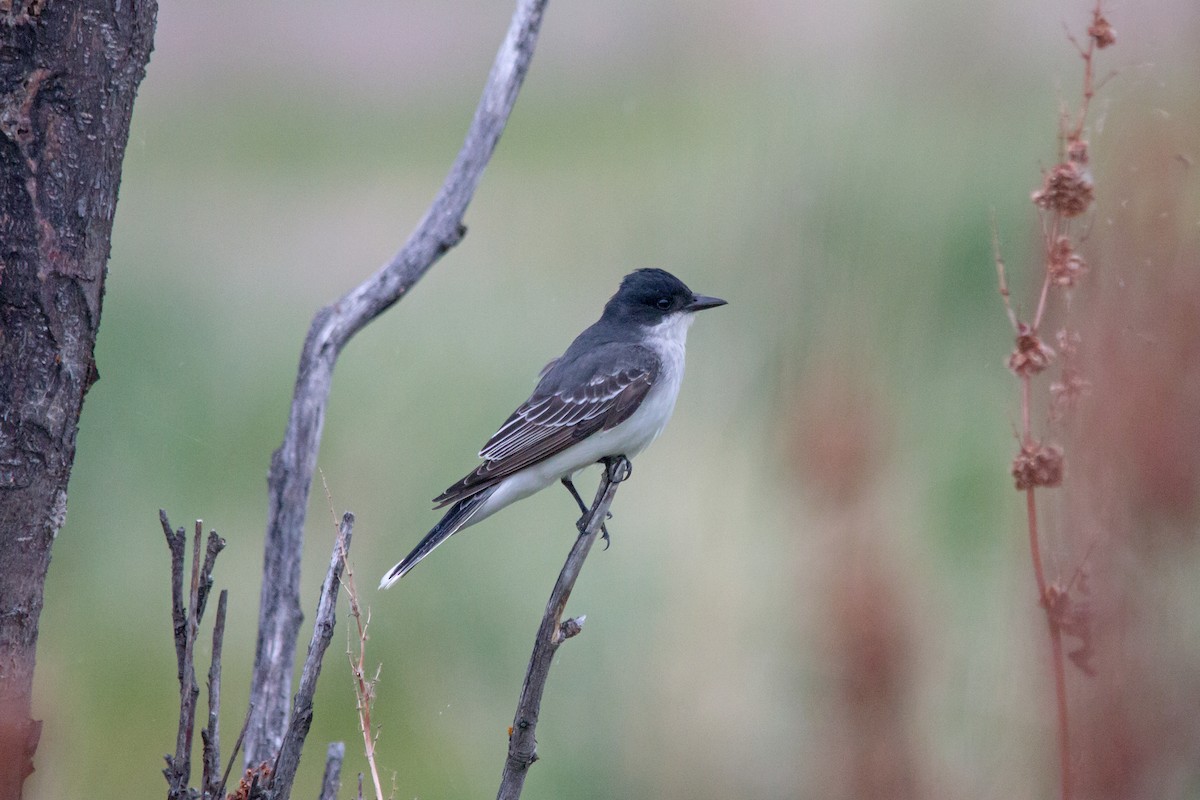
<point>647,296</point>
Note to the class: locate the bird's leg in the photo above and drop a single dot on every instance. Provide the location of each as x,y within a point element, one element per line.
<point>616,470</point>
<point>566,481</point>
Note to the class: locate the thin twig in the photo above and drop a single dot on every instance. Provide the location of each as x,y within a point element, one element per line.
<point>1045,292</point>
<point>188,689</point>
<point>211,736</point>
<point>237,745</point>
<point>552,632</point>
<point>176,541</point>
<point>214,545</point>
<point>177,769</point>
<point>364,688</point>
<point>332,779</point>
<point>186,626</point>
<point>292,465</point>
<point>1000,274</point>
<point>1066,776</point>
<point>1058,666</point>
<point>302,710</point>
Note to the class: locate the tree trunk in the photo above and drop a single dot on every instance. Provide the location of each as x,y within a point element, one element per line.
<point>68,75</point>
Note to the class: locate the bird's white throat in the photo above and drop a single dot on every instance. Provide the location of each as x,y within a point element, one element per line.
<point>668,338</point>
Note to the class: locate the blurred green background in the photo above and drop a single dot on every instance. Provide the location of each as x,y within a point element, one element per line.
<point>830,169</point>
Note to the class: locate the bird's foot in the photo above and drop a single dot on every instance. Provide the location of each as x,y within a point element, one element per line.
<point>618,468</point>
<point>582,524</point>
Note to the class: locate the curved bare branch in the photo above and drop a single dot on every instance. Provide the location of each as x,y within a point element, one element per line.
<point>332,327</point>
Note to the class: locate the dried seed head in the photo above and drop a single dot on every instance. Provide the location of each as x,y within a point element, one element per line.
<point>1038,465</point>
<point>1102,31</point>
<point>1066,189</point>
<point>1031,355</point>
<point>1065,265</point>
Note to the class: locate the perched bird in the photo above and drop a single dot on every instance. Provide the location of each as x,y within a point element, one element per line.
<point>609,395</point>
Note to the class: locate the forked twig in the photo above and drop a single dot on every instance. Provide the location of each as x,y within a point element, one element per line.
<point>186,626</point>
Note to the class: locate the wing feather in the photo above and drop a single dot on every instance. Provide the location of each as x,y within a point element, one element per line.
<point>573,401</point>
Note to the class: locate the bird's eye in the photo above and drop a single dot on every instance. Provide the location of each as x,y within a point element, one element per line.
<point>663,303</point>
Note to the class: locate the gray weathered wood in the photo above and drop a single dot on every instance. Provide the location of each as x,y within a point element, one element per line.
<point>211,782</point>
<point>292,465</point>
<point>302,711</point>
<point>331,781</point>
<point>552,632</point>
<point>186,626</point>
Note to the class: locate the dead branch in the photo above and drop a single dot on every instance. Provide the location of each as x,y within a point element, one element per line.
<point>364,687</point>
<point>552,632</point>
<point>302,711</point>
<point>186,622</point>
<point>211,782</point>
<point>292,465</point>
<point>332,779</point>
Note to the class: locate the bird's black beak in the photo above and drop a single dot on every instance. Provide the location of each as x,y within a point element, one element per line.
<point>703,301</point>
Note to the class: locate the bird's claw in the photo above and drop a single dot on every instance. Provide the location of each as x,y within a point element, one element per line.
<point>582,524</point>
<point>618,468</point>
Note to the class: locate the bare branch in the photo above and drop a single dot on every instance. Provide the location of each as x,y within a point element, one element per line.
<point>176,541</point>
<point>522,742</point>
<point>1002,276</point>
<point>186,625</point>
<point>332,778</point>
<point>364,687</point>
<point>302,711</point>
<point>292,465</point>
<point>214,546</point>
<point>211,781</point>
<point>237,745</point>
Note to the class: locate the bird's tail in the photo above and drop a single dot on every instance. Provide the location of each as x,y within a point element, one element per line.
<point>455,519</point>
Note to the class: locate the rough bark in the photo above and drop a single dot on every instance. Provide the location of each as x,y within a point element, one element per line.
<point>68,76</point>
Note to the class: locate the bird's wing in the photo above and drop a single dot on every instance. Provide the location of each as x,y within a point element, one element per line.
<point>576,398</point>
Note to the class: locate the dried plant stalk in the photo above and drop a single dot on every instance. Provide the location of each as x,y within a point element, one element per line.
<point>1067,192</point>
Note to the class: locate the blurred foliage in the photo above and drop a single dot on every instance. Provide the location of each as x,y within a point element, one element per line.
<point>830,173</point>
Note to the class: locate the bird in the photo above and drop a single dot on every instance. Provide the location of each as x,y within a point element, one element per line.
<point>607,397</point>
